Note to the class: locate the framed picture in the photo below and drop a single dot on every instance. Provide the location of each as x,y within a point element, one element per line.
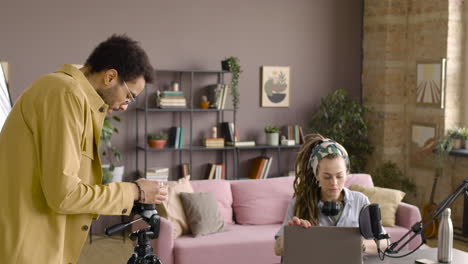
<point>5,99</point>
<point>430,81</point>
<point>275,86</point>
<point>423,140</point>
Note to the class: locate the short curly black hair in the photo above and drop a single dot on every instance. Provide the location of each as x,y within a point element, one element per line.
<point>123,54</point>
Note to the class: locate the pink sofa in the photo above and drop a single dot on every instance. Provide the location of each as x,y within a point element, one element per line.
<point>253,211</point>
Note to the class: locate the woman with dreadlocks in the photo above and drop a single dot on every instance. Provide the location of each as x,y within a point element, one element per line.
<point>320,198</point>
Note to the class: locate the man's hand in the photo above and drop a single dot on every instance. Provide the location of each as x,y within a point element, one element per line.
<point>154,192</point>
<point>295,221</point>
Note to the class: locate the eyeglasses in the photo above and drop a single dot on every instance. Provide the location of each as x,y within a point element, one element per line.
<point>132,99</point>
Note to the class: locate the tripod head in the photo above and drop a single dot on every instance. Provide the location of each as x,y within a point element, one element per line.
<point>143,253</point>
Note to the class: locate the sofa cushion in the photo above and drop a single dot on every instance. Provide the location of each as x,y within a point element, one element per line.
<point>261,202</point>
<point>238,244</point>
<point>221,190</point>
<point>388,200</point>
<point>359,178</point>
<point>202,213</point>
<point>172,208</point>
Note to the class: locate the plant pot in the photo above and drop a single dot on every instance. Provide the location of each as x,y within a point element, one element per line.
<point>272,139</point>
<point>157,143</point>
<point>457,143</point>
<point>114,176</point>
<point>225,66</point>
<point>204,104</point>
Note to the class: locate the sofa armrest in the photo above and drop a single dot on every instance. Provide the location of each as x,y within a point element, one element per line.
<point>407,215</point>
<point>163,246</point>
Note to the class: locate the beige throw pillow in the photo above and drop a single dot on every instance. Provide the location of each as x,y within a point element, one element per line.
<point>388,200</point>
<point>172,208</point>
<point>202,213</point>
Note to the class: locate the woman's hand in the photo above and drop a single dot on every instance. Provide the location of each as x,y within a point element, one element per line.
<point>295,221</point>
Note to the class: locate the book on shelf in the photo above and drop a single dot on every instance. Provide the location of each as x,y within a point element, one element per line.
<point>171,99</point>
<point>228,132</point>
<point>217,94</point>
<point>213,142</point>
<point>260,167</point>
<point>267,169</point>
<point>245,143</point>
<point>293,132</point>
<point>216,171</point>
<point>256,167</point>
<point>176,137</point>
<point>184,169</point>
<point>157,174</point>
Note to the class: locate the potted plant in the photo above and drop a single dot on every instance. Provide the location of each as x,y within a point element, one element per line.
<point>111,172</point>
<point>231,64</point>
<point>157,140</point>
<point>272,135</point>
<point>457,137</point>
<point>342,118</point>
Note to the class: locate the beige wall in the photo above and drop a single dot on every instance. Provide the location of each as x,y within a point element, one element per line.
<point>397,34</point>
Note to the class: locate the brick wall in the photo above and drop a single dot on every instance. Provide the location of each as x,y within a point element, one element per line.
<point>398,34</point>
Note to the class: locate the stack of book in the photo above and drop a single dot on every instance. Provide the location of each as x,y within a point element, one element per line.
<point>245,143</point>
<point>171,99</point>
<point>213,142</point>
<point>260,167</point>
<point>176,137</point>
<point>216,171</point>
<point>217,94</point>
<point>157,174</point>
<point>293,132</point>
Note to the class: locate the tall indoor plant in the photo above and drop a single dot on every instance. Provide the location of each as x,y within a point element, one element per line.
<point>231,64</point>
<point>341,118</point>
<point>109,153</point>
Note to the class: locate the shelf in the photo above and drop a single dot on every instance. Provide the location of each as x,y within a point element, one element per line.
<point>459,152</point>
<point>270,147</point>
<point>194,71</point>
<point>194,148</point>
<point>142,109</point>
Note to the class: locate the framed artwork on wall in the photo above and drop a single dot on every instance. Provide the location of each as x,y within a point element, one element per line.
<point>5,99</point>
<point>275,89</point>
<point>423,140</point>
<point>430,82</point>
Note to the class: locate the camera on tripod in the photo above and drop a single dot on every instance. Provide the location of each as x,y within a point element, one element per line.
<point>143,252</point>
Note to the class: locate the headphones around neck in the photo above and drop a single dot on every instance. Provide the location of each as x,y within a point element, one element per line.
<point>330,208</point>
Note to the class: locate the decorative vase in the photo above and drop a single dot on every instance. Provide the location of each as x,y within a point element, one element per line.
<point>457,143</point>
<point>117,173</point>
<point>272,139</point>
<point>204,104</point>
<point>159,144</point>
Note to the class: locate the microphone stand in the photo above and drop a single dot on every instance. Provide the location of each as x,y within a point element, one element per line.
<point>420,226</point>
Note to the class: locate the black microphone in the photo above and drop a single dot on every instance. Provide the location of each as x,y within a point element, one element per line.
<point>370,223</point>
<point>375,219</point>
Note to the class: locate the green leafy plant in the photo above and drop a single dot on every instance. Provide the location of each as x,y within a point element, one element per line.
<point>388,175</point>
<point>456,133</point>
<point>232,65</point>
<point>341,118</point>
<point>271,129</point>
<point>442,148</point>
<point>160,135</point>
<point>108,152</point>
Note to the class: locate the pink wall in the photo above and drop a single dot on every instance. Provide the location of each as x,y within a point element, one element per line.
<point>320,40</point>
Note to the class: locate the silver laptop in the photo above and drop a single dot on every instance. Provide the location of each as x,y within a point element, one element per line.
<point>331,245</point>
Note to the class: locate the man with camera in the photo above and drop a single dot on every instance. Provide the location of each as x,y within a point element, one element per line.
<point>50,170</point>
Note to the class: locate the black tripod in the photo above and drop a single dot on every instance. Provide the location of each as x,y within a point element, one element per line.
<point>143,252</point>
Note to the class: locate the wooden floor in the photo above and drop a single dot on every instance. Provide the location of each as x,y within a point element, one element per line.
<point>114,250</point>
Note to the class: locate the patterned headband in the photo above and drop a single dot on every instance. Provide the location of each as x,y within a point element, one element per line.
<point>323,149</point>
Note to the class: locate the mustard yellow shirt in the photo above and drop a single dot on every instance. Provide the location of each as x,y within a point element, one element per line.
<point>50,171</point>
